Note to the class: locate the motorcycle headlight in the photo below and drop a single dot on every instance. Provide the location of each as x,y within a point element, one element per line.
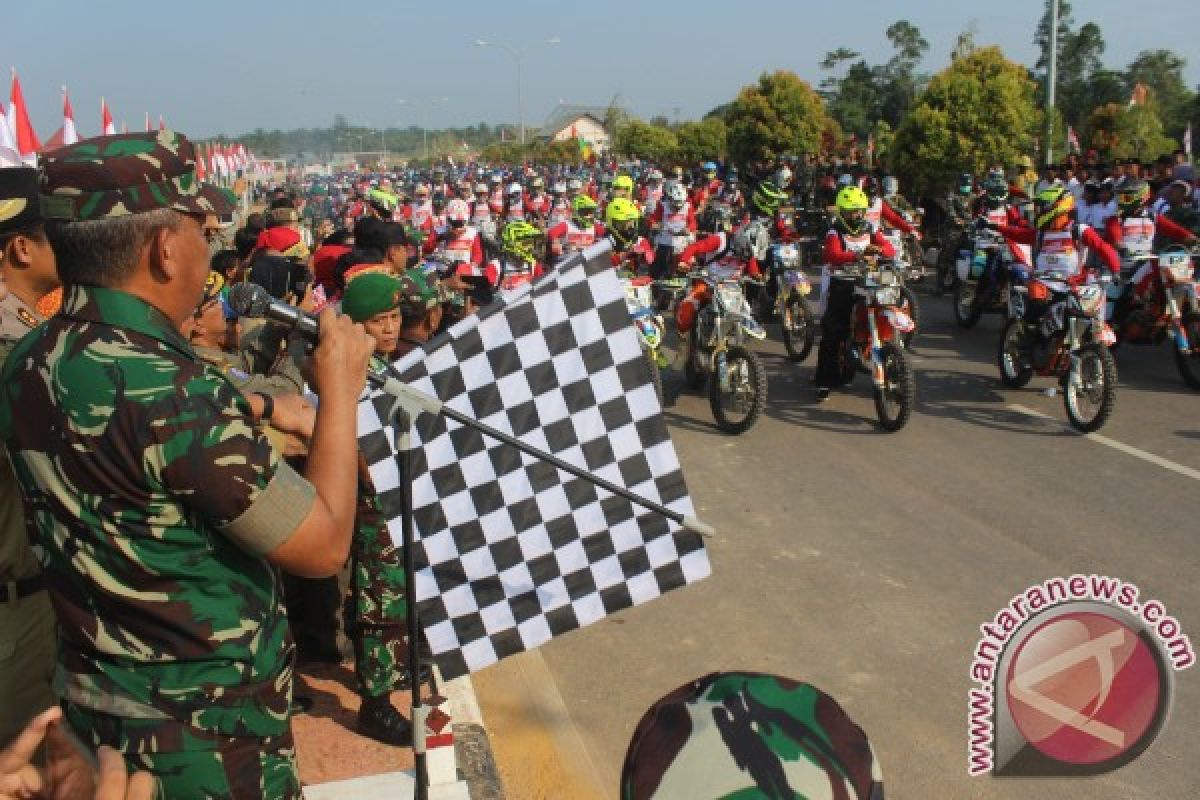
<point>887,296</point>
<point>730,297</point>
<point>1091,299</point>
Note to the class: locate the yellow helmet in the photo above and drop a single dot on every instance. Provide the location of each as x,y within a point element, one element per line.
<point>621,209</point>
<point>851,209</point>
<point>623,182</point>
<point>520,239</point>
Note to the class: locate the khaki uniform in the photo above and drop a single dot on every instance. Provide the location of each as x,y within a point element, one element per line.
<point>27,646</point>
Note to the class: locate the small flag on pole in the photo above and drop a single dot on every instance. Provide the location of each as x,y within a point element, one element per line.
<point>70,135</point>
<point>1072,140</point>
<point>1187,141</point>
<point>18,120</point>
<point>106,121</point>
<point>9,157</point>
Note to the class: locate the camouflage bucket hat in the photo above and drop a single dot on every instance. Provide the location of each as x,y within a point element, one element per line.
<point>133,173</point>
<point>749,735</point>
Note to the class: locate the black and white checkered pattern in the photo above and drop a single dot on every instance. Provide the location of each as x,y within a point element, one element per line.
<point>511,552</point>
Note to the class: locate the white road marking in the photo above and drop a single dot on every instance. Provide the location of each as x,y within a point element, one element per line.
<point>1128,449</point>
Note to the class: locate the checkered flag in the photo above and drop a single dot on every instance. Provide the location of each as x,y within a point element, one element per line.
<point>511,551</point>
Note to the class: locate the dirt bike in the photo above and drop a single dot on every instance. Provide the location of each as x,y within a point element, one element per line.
<point>1168,307</point>
<point>874,343</point>
<point>647,324</point>
<point>989,251</point>
<point>906,269</point>
<point>790,289</point>
<point>1057,329</point>
<point>717,352</point>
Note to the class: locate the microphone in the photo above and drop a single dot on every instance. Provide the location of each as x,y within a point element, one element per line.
<point>252,300</point>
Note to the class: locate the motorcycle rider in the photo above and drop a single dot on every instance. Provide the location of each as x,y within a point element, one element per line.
<point>621,220</point>
<point>672,217</point>
<point>560,206</point>
<point>708,187</point>
<point>879,212</point>
<point>746,247</point>
<point>580,231</point>
<point>538,202</point>
<point>517,263</point>
<point>514,202</point>
<point>851,239</point>
<point>651,194</point>
<point>993,209</point>
<point>622,187</point>
<point>731,192</point>
<point>1134,230</point>
<point>1059,243</point>
<point>461,244</point>
<point>438,182</point>
<point>481,212</point>
<point>496,193</point>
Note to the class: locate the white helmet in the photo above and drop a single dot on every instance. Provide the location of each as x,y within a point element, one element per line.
<point>783,178</point>
<point>752,240</point>
<point>457,211</point>
<point>558,187</point>
<point>514,188</point>
<point>574,185</point>
<point>675,194</point>
<point>481,188</point>
<point>891,186</point>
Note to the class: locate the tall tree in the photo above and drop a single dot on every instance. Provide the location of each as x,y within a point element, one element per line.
<point>900,81</point>
<point>1041,37</point>
<point>780,114</point>
<point>1162,72</point>
<point>1079,62</point>
<point>977,112</point>
<point>700,141</point>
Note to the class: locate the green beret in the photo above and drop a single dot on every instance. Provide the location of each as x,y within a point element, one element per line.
<point>133,173</point>
<point>371,294</point>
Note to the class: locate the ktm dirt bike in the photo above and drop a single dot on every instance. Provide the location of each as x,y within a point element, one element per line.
<point>875,342</point>
<point>1056,329</point>
<point>791,289</point>
<point>1166,307</point>
<point>647,324</point>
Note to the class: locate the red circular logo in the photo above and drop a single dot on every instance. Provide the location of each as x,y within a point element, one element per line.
<point>1084,688</point>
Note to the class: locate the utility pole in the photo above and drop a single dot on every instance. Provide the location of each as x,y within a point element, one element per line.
<point>1051,81</point>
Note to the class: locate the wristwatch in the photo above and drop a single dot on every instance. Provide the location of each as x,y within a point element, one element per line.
<point>268,407</point>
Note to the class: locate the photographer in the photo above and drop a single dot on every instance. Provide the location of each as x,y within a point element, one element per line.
<point>160,508</point>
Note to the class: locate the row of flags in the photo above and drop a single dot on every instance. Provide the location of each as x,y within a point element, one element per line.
<point>19,143</point>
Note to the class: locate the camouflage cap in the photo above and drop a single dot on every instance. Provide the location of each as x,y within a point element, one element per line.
<point>417,296</point>
<point>133,173</point>
<point>18,199</point>
<point>746,734</point>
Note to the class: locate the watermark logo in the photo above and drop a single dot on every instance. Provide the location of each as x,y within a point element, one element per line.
<point>1074,677</point>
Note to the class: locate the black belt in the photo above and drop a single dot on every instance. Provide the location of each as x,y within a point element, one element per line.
<point>24,588</point>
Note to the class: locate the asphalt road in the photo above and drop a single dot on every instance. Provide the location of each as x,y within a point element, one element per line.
<point>865,562</point>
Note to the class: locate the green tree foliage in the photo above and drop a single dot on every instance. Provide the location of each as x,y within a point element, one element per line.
<point>642,140</point>
<point>780,114</point>
<point>1162,72</point>
<point>864,94</point>
<point>977,112</point>
<point>700,141</point>
<point>1119,131</point>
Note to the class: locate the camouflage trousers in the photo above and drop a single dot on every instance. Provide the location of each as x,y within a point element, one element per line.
<point>240,768</point>
<point>379,608</point>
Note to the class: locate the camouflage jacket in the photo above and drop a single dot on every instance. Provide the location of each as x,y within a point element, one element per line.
<point>152,499</point>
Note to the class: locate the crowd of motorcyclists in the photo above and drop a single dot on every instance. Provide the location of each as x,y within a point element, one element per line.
<point>482,229</point>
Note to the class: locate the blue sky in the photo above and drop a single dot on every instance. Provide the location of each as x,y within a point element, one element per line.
<point>223,66</point>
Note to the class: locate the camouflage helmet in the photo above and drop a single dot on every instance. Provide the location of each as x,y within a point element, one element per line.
<point>417,295</point>
<point>132,173</point>
<point>747,734</point>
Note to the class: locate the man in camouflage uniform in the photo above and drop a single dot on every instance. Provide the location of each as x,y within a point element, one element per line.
<point>27,274</point>
<point>379,608</point>
<point>158,508</point>
<point>745,734</point>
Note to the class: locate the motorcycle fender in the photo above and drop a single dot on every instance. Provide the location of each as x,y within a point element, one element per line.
<point>963,268</point>
<point>898,319</point>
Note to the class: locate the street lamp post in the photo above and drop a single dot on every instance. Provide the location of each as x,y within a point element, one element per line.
<point>424,127</point>
<point>517,54</point>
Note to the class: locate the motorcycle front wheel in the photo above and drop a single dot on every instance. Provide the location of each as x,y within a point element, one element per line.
<point>945,278</point>
<point>1090,402</point>
<point>966,309</point>
<point>894,400</point>
<point>655,375</point>
<point>739,404</point>
<point>908,304</point>
<point>799,326</point>
<point>1189,364</point>
<point>1015,372</point>
<point>694,374</point>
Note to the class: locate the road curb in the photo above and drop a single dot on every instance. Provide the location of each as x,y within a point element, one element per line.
<point>472,748</point>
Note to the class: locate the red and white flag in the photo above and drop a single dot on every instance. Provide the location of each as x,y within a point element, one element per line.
<point>162,126</point>
<point>1187,141</point>
<point>9,157</point>
<point>201,167</point>
<point>22,129</point>
<point>70,134</point>
<point>1072,140</point>
<point>106,121</point>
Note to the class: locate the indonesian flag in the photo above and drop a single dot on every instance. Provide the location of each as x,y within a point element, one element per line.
<point>22,128</point>
<point>69,133</point>
<point>9,157</point>
<point>162,126</point>
<point>1072,140</point>
<point>201,172</point>
<point>106,121</point>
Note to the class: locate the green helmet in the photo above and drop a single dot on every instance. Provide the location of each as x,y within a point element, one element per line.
<point>768,198</point>
<point>520,239</point>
